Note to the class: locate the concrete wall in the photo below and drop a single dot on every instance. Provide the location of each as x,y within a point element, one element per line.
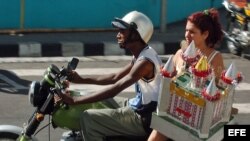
<point>89,14</point>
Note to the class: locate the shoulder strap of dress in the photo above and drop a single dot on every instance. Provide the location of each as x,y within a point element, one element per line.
<point>211,56</point>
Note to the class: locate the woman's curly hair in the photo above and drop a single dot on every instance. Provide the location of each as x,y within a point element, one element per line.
<point>208,20</point>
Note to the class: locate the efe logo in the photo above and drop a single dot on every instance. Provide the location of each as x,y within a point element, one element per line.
<point>236,131</point>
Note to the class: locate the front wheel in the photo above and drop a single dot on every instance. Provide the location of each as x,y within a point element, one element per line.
<point>10,132</point>
<point>8,136</point>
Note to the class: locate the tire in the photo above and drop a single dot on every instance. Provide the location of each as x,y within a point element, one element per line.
<point>8,136</point>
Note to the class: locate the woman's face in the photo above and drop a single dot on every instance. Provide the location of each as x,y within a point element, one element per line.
<point>194,33</point>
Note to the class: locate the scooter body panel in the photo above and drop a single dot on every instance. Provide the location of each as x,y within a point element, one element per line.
<point>68,117</point>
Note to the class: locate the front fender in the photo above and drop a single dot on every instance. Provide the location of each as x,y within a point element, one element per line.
<point>13,129</point>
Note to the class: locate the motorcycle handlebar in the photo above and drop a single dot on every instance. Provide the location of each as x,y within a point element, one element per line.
<point>53,79</point>
<point>64,73</point>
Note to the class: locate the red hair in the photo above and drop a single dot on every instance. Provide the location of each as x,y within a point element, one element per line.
<point>208,20</point>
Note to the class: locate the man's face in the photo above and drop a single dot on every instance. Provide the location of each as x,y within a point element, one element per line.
<point>194,33</point>
<point>122,36</point>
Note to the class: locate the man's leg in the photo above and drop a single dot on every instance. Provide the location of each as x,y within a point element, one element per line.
<point>98,123</point>
<point>116,102</point>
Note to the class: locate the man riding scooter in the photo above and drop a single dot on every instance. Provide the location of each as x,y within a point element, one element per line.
<point>130,117</point>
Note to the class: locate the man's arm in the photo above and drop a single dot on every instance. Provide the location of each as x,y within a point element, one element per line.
<point>143,68</point>
<point>102,79</point>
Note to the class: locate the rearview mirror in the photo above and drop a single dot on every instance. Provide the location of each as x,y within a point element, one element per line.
<point>73,64</point>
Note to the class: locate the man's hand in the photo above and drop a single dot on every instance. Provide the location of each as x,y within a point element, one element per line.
<point>57,99</point>
<point>66,83</point>
<point>73,76</point>
<point>65,97</point>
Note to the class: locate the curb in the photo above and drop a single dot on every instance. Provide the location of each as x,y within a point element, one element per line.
<point>65,49</point>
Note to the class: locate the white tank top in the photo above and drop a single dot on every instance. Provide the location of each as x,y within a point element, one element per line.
<point>180,65</point>
<point>147,90</point>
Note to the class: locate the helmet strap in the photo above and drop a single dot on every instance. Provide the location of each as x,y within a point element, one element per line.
<point>132,37</point>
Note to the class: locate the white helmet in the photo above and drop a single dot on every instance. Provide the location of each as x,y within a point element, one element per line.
<point>137,21</point>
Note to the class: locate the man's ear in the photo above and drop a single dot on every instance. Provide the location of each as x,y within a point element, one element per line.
<point>135,35</point>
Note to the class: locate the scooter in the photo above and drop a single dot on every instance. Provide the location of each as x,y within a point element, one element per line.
<point>237,30</point>
<point>41,96</point>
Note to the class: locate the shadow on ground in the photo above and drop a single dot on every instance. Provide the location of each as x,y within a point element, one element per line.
<point>11,83</point>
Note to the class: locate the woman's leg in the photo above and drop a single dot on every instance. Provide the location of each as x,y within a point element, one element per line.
<point>157,136</point>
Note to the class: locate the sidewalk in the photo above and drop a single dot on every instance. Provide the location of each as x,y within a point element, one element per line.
<point>80,43</point>
<point>86,43</point>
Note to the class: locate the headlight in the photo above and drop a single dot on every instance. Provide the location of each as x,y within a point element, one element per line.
<point>34,93</point>
<point>39,91</point>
